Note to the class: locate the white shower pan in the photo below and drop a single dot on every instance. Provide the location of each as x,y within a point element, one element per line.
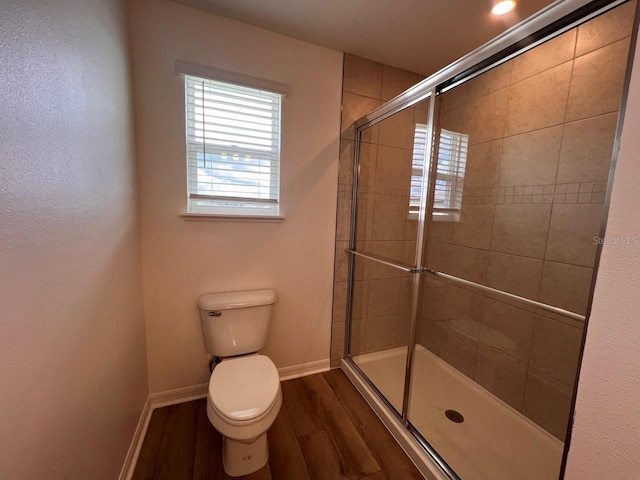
<point>494,442</point>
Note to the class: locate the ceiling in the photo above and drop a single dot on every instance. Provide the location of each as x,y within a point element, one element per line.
<point>421,36</point>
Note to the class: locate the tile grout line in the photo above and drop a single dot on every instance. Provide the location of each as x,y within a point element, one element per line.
<point>566,109</point>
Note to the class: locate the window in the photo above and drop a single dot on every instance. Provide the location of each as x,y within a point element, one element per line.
<point>417,167</point>
<point>450,170</point>
<point>233,148</point>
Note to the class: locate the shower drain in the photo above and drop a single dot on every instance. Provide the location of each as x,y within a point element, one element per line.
<point>454,416</point>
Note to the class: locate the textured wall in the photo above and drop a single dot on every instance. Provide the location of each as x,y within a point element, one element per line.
<point>72,342</point>
<point>185,259</point>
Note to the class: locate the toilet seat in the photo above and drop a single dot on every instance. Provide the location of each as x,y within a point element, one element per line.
<point>244,389</point>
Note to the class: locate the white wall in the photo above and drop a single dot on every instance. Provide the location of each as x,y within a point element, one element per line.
<point>184,259</point>
<point>606,438</point>
<point>72,345</point>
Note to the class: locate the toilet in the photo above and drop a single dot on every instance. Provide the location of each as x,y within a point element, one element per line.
<point>244,395</point>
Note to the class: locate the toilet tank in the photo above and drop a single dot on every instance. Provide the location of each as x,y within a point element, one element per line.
<point>236,323</point>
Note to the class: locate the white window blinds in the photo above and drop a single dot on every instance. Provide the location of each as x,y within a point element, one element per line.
<point>233,148</point>
<point>417,166</point>
<point>450,170</point>
<point>452,163</point>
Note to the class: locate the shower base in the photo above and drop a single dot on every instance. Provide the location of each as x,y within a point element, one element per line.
<point>493,442</point>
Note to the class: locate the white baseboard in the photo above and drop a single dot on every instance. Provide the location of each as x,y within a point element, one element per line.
<point>179,395</point>
<point>195,392</point>
<point>136,443</point>
<point>304,369</point>
<point>156,400</point>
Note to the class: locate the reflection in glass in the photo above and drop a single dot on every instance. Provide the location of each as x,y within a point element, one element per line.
<point>417,166</point>
<point>449,181</point>
<point>380,321</point>
<point>389,187</point>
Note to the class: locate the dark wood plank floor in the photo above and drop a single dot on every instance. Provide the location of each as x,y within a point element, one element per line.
<point>325,431</point>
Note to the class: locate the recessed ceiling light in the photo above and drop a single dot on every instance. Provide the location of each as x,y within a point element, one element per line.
<point>503,7</point>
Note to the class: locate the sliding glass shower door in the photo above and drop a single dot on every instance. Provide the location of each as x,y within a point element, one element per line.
<point>476,223</point>
<point>387,197</point>
<point>510,250</point>
<point>477,218</point>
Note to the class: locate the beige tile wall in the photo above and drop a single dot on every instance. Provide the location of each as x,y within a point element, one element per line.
<point>381,310</point>
<point>541,130</point>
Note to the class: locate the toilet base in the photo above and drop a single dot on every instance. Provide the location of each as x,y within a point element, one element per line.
<point>239,458</point>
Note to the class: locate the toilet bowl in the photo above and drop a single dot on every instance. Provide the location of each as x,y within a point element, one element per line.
<point>243,401</point>
<point>244,389</point>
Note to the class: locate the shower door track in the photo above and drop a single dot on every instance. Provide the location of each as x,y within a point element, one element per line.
<point>411,441</point>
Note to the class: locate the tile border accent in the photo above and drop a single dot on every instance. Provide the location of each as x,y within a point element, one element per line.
<point>578,193</point>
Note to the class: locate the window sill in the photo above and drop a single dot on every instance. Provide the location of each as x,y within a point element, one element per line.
<point>210,217</point>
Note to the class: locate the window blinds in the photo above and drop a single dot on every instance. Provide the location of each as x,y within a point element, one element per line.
<point>450,171</point>
<point>233,148</point>
<point>452,163</point>
<point>418,163</point>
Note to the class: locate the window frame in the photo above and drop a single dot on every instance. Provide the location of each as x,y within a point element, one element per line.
<point>259,205</point>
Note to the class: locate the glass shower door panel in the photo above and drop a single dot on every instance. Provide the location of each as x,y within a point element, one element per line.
<point>468,381</point>
<point>380,322</point>
<point>391,159</point>
<point>518,181</point>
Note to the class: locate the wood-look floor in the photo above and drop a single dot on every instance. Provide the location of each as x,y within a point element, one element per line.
<point>325,430</point>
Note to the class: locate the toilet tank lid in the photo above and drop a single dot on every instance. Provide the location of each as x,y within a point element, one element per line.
<point>230,300</point>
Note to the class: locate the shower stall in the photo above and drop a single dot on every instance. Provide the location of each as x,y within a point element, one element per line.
<point>479,200</point>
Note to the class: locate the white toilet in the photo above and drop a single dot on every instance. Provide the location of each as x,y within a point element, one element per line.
<point>244,390</point>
